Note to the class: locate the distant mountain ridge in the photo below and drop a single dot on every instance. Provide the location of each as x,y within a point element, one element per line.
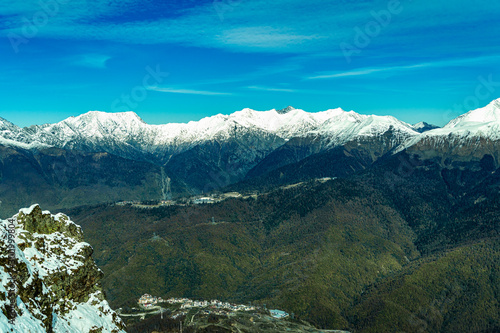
<point>274,146</point>
<point>124,132</point>
<point>466,138</point>
<point>483,122</point>
<point>424,127</point>
<point>101,131</point>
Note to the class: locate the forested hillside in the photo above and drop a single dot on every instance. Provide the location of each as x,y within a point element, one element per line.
<point>380,251</point>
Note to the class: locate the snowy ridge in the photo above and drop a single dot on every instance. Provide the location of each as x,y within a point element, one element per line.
<point>343,127</point>
<point>30,145</point>
<point>57,259</point>
<point>126,134</point>
<point>420,125</point>
<point>6,126</point>
<point>482,123</point>
<point>100,129</point>
<point>487,114</point>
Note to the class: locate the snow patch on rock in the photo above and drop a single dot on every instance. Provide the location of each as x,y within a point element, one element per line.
<point>55,280</point>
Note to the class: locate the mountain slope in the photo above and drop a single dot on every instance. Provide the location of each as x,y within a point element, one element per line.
<point>8,128</point>
<point>278,250</point>
<point>58,178</point>
<point>366,137</point>
<point>215,151</point>
<point>456,291</point>
<point>300,160</point>
<point>467,142</point>
<point>262,148</point>
<point>314,249</point>
<point>467,138</point>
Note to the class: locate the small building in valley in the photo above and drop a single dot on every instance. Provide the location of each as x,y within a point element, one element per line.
<point>203,200</point>
<point>147,300</point>
<point>278,314</point>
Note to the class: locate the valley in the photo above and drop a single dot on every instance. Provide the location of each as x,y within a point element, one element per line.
<point>230,166</point>
<point>384,227</point>
<point>298,243</point>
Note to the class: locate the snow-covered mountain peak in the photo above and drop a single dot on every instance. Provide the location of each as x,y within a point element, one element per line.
<point>496,103</point>
<point>122,118</point>
<point>337,113</point>
<point>487,114</point>
<point>420,125</point>
<point>479,123</point>
<point>294,123</point>
<point>95,124</point>
<point>7,125</point>
<point>126,134</point>
<point>344,126</point>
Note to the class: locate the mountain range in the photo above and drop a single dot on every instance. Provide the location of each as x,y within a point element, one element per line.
<point>349,221</point>
<point>126,135</point>
<point>98,156</point>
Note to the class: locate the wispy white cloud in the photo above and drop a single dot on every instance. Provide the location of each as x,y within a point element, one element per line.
<point>188,91</point>
<point>264,37</point>
<point>436,64</point>
<point>281,26</point>
<point>365,71</point>
<point>271,89</point>
<point>258,73</point>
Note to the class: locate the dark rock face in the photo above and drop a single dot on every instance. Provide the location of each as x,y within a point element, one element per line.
<point>38,222</point>
<point>54,276</point>
<point>216,164</point>
<point>302,159</point>
<point>456,152</point>
<point>286,110</point>
<point>424,127</point>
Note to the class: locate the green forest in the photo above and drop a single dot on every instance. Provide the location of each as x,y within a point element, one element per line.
<point>368,253</point>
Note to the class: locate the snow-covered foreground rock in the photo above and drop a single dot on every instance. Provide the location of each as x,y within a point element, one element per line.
<point>47,271</point>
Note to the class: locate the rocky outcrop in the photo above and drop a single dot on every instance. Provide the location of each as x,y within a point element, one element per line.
<point>50,283</point>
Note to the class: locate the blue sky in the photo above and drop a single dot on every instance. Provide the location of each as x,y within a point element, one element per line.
<point>176,61</point>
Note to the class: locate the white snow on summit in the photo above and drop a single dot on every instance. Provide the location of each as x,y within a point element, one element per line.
<point>480,123</point>
<point>483,122</point>
<point>97,125</point>
<point>96,128</point>
<point>6,125</point>
<point>420,125</point>
<point>126,130</point>
<point>342,126</point>
<point>489,114</point>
